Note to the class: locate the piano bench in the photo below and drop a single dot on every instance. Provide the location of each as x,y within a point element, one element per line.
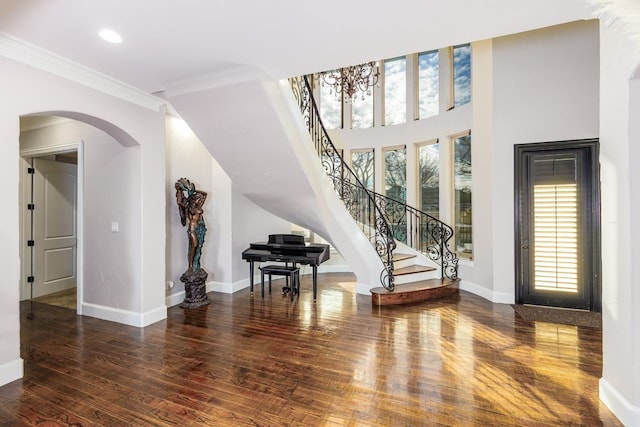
<point>291,273</point>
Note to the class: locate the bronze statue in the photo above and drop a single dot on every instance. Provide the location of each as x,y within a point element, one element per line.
<point>190,204</point>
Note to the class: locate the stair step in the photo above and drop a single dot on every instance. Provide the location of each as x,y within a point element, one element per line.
<point>401,257</point>
<point>412,269</point>
<point>424,290</point>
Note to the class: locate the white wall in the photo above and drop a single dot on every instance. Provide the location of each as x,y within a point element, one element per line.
<point>251,223</point>
<point>619,144</point>
<point>111,261</point>
<point>545,89</point>
<point>29,90</point>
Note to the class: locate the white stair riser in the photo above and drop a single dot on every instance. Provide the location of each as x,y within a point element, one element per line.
<point>416,277</point>
<point>404,263</point>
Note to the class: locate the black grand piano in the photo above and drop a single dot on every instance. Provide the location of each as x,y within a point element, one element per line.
<point>288,248</point>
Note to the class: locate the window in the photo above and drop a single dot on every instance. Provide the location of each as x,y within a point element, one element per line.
<point>428,84</point>
<point>395,173</point>
<point>424,86</point>
<point>362,111</point>
<point>461,74</point>
<point>395,91</point>
<point>330,108</point>
<point>395,187</point>
<point>462,196</point>
<point>429,178</point>
<point>362,164</point>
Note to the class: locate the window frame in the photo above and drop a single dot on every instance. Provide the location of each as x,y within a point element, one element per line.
<point>418,198</point>
<point>452,75</point>
<point>416,84</point>
<point>384,169</point>
<point>460,253</point>
<point>364,150</point>
<point>384,90</point>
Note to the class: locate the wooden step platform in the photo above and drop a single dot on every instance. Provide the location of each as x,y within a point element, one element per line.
<point>423,290</point>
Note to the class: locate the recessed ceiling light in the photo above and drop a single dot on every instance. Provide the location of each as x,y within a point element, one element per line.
<point>110,36</point>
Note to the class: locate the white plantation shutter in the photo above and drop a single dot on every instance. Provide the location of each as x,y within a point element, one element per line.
<point>556,229</point>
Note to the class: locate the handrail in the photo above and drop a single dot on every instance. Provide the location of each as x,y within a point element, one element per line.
<point>420,231</point>
<point>359,202</point>
<point>381,218</point>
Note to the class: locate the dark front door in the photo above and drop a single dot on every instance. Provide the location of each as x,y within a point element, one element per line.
<point>558,224</point>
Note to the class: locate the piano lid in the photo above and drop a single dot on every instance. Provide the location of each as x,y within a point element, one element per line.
<point>286,239</point>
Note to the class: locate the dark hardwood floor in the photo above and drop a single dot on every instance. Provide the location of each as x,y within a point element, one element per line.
<point>342,362</point>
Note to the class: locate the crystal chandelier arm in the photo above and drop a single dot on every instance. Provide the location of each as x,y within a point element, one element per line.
<point>351,80</point>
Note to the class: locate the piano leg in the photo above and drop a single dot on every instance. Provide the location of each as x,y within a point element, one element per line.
<point>251,277</point>
<point>315,282</point>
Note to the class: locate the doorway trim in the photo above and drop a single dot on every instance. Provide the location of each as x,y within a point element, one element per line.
<point>59,149</point>
<point>593,144</point>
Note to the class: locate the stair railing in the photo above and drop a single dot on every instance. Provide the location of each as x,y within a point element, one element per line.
<point>421,232</point>
<point>360,203</point>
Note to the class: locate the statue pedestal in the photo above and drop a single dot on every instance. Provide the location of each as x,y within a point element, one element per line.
<point>195,288</point>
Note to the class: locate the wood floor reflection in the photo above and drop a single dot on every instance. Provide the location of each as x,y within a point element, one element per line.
<point>238,362</point>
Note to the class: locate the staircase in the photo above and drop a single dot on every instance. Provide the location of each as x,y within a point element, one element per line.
<point>428,238</point>
<point>413,283</point>
<point>261,119</point>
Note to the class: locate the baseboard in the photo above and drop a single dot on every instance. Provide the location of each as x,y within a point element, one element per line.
<point>488,294</point>
<point>628,414</point>
<point>11,371</point>
<point>174,299</point>
<point>230,288</point>
<point>126,317</point>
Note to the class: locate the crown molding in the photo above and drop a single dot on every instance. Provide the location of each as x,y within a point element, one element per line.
<point>29,54</point>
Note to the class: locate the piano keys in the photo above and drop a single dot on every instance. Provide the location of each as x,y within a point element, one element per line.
<point>288,248</point>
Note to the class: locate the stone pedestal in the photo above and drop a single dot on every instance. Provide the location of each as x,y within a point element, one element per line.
<point>195,288</point>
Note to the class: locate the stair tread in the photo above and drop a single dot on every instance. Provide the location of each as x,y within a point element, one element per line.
<point>412,269</point>
<point>402,257</point>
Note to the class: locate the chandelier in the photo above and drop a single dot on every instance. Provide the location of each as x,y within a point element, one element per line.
<point>352,80</point>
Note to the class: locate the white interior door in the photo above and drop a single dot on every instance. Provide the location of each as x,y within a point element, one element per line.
<point>54,226</point>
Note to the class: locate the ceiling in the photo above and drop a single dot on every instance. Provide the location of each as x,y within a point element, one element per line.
<point>169,42</point>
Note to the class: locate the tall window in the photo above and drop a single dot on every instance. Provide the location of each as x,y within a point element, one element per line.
<point>395,173</point>
<point>395,91</point>
<point>429,178</point>
<point>461,74</point>
<point>462,197</point>
<point>395,187</point>
<point>428,84</point>
<point>362,111</point>
<point>330,108</point>
<point>362,164</point>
